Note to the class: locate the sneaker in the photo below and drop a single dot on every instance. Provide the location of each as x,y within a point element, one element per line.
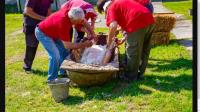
<point>140,76</point>
<point>54,81</point>
<point>27,70</point>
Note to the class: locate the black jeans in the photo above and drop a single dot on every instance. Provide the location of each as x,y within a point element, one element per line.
<point>31,48</point>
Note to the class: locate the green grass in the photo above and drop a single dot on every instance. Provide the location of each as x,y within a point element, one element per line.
<point>171,65</point>
<point>13,22</point>
<point>180,7</point>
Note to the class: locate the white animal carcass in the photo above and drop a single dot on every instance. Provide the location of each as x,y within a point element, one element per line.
<point>93,55</point>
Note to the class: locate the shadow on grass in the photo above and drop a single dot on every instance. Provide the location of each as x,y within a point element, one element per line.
<point>73,100</point>
<point>40,72</point>
<point>152,82</point>
<point>169,83</point>
<point>117,88</point>
<point>168,65</point>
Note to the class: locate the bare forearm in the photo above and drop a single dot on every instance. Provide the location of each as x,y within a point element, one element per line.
<point>112,30</point>
<point>28,11</point>
<point>49,12</point>
<point>93,22</point>
<point>88,27</point>
<point>69,45</point>
<point>83,29</point>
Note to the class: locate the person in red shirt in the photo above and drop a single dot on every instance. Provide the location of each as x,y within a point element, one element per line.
<point>138,22</point>
<point>54,34</point>
<point>89,11</point>
<point>146,3</point>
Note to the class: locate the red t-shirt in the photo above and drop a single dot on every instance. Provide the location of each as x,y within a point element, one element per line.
<point>143,2</point>
<point>131,17</point>
<point>57,26</point>
<point>87,8</point>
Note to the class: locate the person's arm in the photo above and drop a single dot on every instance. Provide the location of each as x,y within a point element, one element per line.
<point>121,41</point>
<point>69,45</point>
<point>89,28</point>
<point>118,30</point>
<point>83,29</point>
<point>112,29</point>
<point>29,11</point>
<point>93,22</point>
<point>49,12</point>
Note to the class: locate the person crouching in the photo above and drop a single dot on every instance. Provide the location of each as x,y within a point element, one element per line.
<point>54,34</point>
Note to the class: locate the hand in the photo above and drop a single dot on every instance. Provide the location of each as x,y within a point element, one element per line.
<point>120,41</point>
<point>117,31</point>
<point>92,27</point>
<point>43,18</point>
<point>87,43</point>
<point>94,36</point>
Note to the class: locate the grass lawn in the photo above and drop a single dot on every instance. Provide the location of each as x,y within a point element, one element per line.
<point>179,7</point>
<point>167,86</point>
<point>13,22</point>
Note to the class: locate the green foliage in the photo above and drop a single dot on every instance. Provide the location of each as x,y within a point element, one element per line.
<point>11,8</point>
<point>93,2</point>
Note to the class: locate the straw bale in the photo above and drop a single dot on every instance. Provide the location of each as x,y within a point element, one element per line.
<point>160,38</point>
<point>164,22</point>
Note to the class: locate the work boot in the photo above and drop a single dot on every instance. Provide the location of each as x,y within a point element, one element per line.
<point>29,57</point>
<point>140,76</point>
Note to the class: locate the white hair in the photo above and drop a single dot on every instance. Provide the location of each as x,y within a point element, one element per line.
<point>106,5</point>
<point>76,13</point>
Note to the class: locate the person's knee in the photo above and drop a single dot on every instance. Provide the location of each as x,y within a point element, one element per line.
<point>55,58</point>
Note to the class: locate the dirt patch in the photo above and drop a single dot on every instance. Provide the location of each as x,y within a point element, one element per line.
<point>16,32</point>
<point>20,58</point>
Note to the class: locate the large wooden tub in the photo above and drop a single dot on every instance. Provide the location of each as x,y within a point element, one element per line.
<point>89,75</point>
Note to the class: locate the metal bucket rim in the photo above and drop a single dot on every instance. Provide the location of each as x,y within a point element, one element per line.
<point>67,80</point>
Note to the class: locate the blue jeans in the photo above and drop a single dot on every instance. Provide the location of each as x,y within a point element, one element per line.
<point>56,51</point>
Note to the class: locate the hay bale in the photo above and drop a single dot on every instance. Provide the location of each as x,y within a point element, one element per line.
<point>160,38</point>
<point>164,22</point>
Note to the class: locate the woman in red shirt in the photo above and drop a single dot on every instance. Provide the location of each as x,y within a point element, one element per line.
<point>138,22</point>
<point>54,34</point>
